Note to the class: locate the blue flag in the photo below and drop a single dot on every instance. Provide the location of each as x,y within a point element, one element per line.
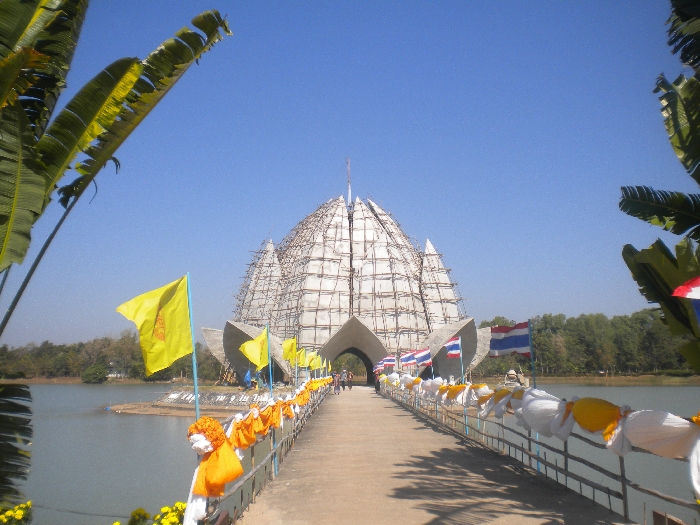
<point>246,379</point>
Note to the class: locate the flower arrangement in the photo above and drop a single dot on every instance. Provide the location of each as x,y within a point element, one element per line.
<point>168,516</point>
<point>20,515</point>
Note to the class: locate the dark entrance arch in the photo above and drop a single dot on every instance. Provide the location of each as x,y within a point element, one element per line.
<point>365,360</point>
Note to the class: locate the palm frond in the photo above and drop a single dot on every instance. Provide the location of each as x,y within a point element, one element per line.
<point>680,107</point>
<point>89,113</point>
<point>674,211</point>
<point>161,70</point>
<point>22,182</point>
<point>15,434</point>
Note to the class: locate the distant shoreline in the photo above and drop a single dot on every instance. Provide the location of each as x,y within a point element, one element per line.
<point>641,380</point>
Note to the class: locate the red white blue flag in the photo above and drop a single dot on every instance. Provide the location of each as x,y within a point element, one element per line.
<point>508,339</point>
<point>423,357</point>
<point>408,358</point>
<point>690,290</point>
<point>454,347</point>
<point>379,366</point>
<point>389,360</point>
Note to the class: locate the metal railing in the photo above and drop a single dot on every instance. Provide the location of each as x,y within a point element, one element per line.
<point>530,451</point>
<point>259,461</point>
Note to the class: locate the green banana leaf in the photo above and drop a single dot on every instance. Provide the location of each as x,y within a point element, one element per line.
<point>22,182</point>
<point>52,28</point>
<point>89,113</point>
<point>15,73</point>
<point>15,434</point>
<point>674,211</point>
<point>658,272</point>
<point>684,31</point>
<point>161,70</point>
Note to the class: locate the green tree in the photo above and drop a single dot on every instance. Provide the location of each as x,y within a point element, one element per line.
<point>94,374</point>
<point>497,321</point>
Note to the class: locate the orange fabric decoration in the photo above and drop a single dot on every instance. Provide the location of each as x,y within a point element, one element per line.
<point>518,394</point>
<point>218,467</point>
<point>597,415</point>
<point>484,399</point>
<point>442,389</point>
<point>454,391</point>
<point>696,419</point>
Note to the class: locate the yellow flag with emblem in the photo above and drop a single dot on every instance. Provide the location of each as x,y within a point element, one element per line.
<point>162,318</point>
<point>289,349</point>
<point>256,350</point>
<point>310,357</point>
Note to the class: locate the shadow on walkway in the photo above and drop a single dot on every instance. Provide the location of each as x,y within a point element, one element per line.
<point>468,484</point>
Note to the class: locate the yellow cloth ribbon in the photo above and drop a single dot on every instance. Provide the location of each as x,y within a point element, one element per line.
<point>454,391</point>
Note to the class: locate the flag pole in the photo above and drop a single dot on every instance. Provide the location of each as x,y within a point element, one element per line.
<point>269,356</point>
<point>194,350</point>
<point>461,361</point>
<point>532,353</point>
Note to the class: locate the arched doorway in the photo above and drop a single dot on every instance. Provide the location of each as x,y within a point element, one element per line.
<point>365,361</point>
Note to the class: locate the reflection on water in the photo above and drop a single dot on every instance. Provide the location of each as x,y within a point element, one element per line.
<point>90,460</point>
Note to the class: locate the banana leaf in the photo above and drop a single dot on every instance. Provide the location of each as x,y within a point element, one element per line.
<point>89,113</point>
<point>684,31</point>
<point>52,28</point>
<point>674,211</point>
<point>22,182</point>
<point>15,434</point>
<point>161,70</point>
<point>15,73</point>
<point>680,107</point>
<point>658,272</point>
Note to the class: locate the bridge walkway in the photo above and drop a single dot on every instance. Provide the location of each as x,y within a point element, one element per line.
<point>363,459</point>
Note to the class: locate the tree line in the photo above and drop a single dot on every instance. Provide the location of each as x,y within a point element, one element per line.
<point>120,356</point>
<point>594,344</point>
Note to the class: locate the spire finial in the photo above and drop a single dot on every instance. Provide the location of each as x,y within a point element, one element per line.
<point>347,164</point>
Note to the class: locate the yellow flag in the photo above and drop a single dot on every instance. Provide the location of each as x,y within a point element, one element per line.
<point>310,356</point>
<point>318,361</point>
<point>256,350</point>
<point>162,318</point>
<point>289,349</point>
<point>301,357</point>
<point>329,366</point>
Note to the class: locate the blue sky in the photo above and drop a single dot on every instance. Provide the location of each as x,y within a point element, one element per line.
<point>502,132</point>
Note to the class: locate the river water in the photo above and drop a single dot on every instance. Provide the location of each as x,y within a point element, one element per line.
<point>101,465</point>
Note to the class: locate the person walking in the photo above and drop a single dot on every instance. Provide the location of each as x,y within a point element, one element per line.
<point>350,378</point>
<point>336,383</point>
<point>343,377</point>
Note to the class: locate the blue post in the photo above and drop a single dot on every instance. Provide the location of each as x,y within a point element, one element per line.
<point>194,351</point>
<point>532,353</point>
<point>269,364</point>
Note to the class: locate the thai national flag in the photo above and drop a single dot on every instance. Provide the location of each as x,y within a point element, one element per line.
<point>454,347</point>
<point>423,357</point>
<point>690,290</point>
<point>379,366</point>
<point>390,360</point>
<point>509,339</point>
<point>407,359</point>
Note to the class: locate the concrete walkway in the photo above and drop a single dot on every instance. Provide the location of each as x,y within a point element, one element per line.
<point>363,459</point>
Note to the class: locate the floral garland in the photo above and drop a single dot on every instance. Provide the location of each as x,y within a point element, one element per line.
<point>19,515</point>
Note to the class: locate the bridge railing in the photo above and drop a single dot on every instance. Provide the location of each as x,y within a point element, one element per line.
<point>536,453</point>
<point>259,461</point>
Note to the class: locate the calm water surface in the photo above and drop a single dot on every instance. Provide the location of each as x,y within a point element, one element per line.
<point>94,461</point>
<point>90,460</point>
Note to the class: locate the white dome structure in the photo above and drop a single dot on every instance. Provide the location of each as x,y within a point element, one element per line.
<point>348,279</point>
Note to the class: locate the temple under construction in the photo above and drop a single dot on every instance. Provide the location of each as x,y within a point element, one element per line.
<point>348,279</point>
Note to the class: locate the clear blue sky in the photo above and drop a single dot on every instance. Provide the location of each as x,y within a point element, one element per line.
<point>502,132</point>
